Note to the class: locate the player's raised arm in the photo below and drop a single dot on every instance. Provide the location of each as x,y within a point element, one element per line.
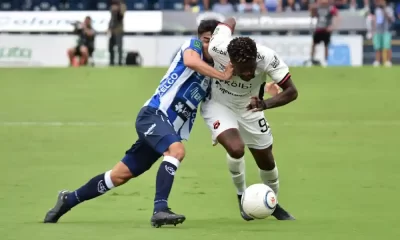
<point>192,59</point>
<point>279,73</point>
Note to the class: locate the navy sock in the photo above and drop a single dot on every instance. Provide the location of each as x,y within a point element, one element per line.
<point>164,181</point>
<point>92,189</point>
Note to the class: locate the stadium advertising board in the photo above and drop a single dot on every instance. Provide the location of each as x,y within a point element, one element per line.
<point>50,50</point>
<point>138,21</point>
<point>186,21</point>
<point>157,21</point>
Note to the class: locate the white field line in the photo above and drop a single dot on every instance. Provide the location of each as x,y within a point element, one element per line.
<point>329,123</point>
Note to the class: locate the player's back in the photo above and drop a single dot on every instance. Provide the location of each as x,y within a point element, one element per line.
<point>180,91</point>
<point>237,91</point>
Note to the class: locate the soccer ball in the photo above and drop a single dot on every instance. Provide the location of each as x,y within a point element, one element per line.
<point>259,201</point>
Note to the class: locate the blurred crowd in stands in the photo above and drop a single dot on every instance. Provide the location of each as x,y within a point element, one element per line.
<point>223,6</point>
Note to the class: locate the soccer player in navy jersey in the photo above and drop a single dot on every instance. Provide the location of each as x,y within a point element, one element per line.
<point>163,122</point>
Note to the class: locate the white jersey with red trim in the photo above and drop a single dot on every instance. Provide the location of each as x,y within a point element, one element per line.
<point>236,92</point>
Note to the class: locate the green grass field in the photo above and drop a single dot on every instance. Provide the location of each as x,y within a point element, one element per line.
<point>337,150</point>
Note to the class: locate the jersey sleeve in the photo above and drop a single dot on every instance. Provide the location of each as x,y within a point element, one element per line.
<point>276,68</point>
<point>219,43</point>
<point>193,44</point>
<point>221,33</point>
<point>334,11</point>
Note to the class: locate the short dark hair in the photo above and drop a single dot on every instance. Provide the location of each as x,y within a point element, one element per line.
<point>242,50</point>
<point>208,25</point>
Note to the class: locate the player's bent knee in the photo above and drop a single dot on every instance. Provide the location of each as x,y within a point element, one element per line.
<point>176,150</point>
<point>71,51</point>
<point>120,174</point>
<point>235,149</point>
<point>84,50</point>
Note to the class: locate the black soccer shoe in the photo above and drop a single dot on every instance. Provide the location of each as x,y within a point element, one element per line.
<point>59,209</point>
<point>282,214</point>
<point>242,213</point>
<point>166,217</point>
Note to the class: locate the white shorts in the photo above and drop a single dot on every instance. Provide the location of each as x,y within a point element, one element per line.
<point>253,126</point>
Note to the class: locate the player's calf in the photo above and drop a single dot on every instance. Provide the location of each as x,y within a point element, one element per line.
<point>95,187</point>
<point>270,177</point>
<point>173,156</point>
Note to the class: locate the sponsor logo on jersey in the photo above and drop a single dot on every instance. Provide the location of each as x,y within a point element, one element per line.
<point>260,57</point>
<point>183,110</point>
<point>167,83</point>
<point>224,91</point>
<point>275,62</point>
<point>236,84</point>
<point>219,51</point>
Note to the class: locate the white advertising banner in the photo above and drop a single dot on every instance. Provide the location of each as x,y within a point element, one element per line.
<point>43,21</point>
<point>158,51</point>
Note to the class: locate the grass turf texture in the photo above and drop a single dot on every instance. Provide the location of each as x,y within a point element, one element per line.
<point>336,148</point>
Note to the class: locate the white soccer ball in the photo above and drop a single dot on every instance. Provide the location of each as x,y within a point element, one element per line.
<point>259,201</point>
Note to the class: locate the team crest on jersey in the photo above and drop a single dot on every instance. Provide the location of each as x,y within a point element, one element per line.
<point>216,124</point>
<point>275,62</point>
<point>197,44</point>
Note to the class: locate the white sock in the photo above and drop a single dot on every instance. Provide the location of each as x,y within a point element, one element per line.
<point>237,169</point>
<point>271,179</point>
<point>108,181</point>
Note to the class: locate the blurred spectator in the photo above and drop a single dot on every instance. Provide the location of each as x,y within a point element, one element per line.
<point>398,11</point>
<point>304,5</point>
<point>254,6</point>
<point>357,4</point>
<point>382,19</point>
<point>291,6</point>
<point>195,6</point>
<point>341,4</point>
<point>85,46</point>
<point>116,30</point>
<point>223,6</point>
<point>273,5</point>
<point>327,20</point>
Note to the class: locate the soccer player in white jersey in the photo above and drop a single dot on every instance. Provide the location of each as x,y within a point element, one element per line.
<point>234,111</point>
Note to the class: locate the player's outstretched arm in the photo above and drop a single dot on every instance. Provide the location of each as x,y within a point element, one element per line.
<point>289,94</point>
<point>192,60</point>
<point>231,23</point>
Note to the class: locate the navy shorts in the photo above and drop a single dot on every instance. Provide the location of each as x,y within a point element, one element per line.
<point>156,134</point>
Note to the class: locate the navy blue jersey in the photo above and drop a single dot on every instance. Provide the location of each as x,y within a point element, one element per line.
<point>180,91</point>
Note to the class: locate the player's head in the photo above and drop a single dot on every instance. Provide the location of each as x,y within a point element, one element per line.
<point>323,2</point>
<point>88,21</point>
<point>204,32</point>
<point>243,55</point>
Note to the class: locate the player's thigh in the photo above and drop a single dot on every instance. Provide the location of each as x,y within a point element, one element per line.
<point>316,37</point>
<point>327,38</point>
<point>264,158</point>
<point>222,122</point>
<point>154,128</point>
<point>387,41</point>
<point>377,41</point>
<point>139,158</point>
<point>218,118</point>
<point>255,130</point>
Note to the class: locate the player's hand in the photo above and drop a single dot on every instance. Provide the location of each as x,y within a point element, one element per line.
<point>329,29</point>
<point>228,72</point>
<point>256,105</point>
<point>272,89</point>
